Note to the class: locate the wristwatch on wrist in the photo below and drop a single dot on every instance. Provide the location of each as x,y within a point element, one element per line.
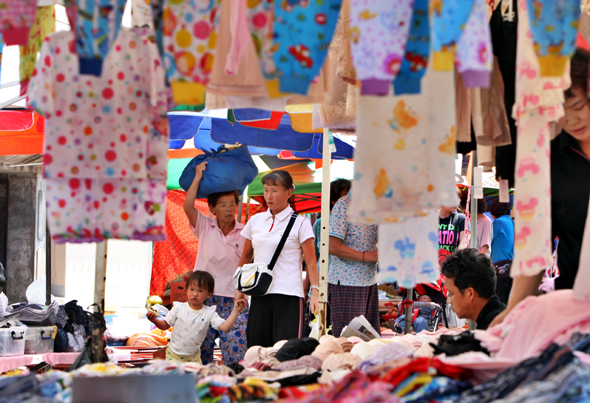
<point>315,287</point>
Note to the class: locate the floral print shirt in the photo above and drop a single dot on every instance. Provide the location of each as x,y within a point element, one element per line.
<point>360,237</point>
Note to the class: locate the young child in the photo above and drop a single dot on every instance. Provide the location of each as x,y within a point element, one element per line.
<point>191,320</point>
<point>420,316</point>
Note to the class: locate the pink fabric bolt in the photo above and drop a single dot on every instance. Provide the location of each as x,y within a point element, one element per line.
<point>537,322</point>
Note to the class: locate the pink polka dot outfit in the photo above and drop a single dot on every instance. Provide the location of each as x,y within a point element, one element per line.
<point>189,47</point>
<point>379,31</point>
<point>16,19</point>
<point>105,143</point>
<point>474,55</point>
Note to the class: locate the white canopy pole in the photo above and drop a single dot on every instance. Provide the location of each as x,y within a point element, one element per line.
<point>325,235</point>
<point>100,271</point>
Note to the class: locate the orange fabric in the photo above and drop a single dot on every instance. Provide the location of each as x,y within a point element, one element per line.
<point>177,254</point>
<point>21,133</point>
<point>184,153</point>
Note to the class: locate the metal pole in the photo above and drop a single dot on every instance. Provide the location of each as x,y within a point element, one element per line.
<point>408,318</point>
<point>240,207</point>
<point>248,209</point>
<point>47,266</point>
<point>473,240</point>
<point>100,270</point>
<point>325,235</point>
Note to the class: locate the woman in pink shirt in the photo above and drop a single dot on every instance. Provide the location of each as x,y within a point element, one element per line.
<point>220,249</point>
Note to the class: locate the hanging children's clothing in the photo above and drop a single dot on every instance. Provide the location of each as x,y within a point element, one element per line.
<point>503,26</point>
<point>44,25</point>
<point>141,13</point>
<point>408,251</point>
<point>405,153</point>
<point>474,56</point>
<point>379,32</point>
<point>71,11</point>
<point>97,25</point>
<point>106,141</point>
<point>449,18</point>
<point>16,19</point>
<point>538,101</point>
<point>339,104</point>
<point>190,40</point>
<point>345,69</point>
<point>302,33</point>
<point>417,52</point>
<point>554,27</point>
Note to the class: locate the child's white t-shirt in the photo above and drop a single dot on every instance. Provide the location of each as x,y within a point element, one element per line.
<point>190,327</point>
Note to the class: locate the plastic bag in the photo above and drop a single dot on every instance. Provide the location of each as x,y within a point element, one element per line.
<point>315,329</point>
<point>36,291</point>
<point>227,170</point>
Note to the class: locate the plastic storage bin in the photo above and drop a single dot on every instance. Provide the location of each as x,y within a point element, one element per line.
<point>12,341</point>
<point>40,339</point>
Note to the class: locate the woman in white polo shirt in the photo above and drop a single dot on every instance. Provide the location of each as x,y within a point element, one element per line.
<point>220,248</point>
<point>278,315</point>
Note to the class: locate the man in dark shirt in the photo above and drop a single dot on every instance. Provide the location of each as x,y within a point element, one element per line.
<point>570,190</point>
<point>471,284</point>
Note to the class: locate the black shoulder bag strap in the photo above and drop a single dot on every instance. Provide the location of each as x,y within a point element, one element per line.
<point>275,257</point>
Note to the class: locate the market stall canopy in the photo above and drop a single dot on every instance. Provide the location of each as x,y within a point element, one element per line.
<point>21,132</point>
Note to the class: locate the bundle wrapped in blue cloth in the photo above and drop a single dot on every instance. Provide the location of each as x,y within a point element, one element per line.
<point>227,170</point>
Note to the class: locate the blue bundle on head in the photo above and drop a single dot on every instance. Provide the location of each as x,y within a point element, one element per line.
<point>227,170</point>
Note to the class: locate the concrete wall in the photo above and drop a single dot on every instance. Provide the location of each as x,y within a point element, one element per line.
<point>21,256</point>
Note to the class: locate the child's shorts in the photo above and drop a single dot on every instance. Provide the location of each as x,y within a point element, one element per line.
<point>172,356</point>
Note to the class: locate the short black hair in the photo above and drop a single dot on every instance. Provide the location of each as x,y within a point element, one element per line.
<point>482,205</point>
<point>499,209</point>
<point>578,72</point>
<point>278,177</point>
<point>213,198</point>
<point>336,188</point>
<point>469,268</point>
<point>201,279</point>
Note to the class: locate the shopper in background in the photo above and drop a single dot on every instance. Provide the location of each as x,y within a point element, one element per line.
<point>352,288</point>
<point>338,188</point>
<point>484,229</point>
<point>220,249</point>
<point>451,226</point>
<point>278,315</point>
<point>502,247</point>
<point>570,185</point>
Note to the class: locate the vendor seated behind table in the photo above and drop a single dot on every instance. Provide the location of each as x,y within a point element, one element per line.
<point>471,284</point>
<point>191,320</point>
<point>420,318</point>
